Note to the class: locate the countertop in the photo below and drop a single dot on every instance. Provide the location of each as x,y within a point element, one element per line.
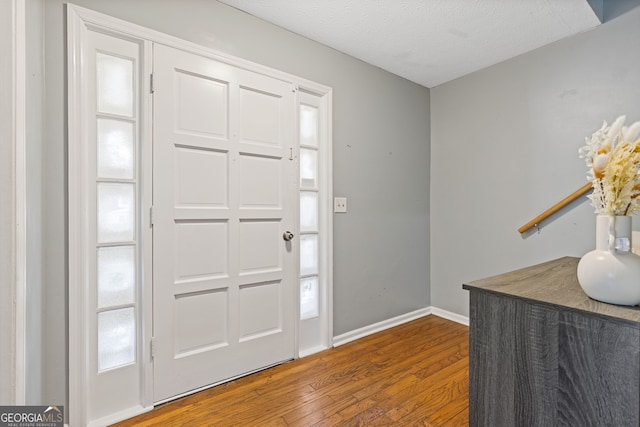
<point>554,283</point>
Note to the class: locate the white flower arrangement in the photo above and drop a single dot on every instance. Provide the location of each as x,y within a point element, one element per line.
<point>612,155</point>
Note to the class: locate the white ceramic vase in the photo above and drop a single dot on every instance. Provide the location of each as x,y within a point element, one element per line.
<point>611,272</point>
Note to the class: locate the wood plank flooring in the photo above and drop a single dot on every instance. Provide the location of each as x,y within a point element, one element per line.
<point>415,374</point>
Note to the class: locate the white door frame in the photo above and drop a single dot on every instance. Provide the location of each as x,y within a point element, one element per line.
<point>13,130</point>
<point>80,20</point>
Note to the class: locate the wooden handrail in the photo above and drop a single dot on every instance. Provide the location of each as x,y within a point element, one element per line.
<point>555,208</point>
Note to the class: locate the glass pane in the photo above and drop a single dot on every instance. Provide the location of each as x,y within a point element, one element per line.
<point>309,301</point>
<point>308,168</point>
<point>308,254</point>
<point>116,338</point>
<point>116,276</point>
<point>115,149</point>
<point>308,211</point>
<point>115,85</point>
<point>308,125</point>
<point>116,212</point>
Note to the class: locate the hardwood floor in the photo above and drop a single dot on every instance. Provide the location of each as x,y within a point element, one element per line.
<point>415,374</point>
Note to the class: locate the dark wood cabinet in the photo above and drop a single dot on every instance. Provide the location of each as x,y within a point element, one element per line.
<point>542,353</point>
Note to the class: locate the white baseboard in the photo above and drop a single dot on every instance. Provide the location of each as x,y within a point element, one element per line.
<point>120,416</point>
<point>313,350</point>
<point>339,340</point>
<point>458,318</point>
<point>380,326</point>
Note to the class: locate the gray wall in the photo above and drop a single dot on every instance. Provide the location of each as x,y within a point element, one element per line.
<point>504,145</point>
<point>381,162</point>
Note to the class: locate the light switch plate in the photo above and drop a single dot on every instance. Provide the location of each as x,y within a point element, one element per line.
<point>340,204</point>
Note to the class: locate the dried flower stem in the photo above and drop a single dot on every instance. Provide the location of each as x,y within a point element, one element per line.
<point>612,156</point>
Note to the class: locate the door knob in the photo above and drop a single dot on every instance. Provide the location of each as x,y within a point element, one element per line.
<point>287,236</point>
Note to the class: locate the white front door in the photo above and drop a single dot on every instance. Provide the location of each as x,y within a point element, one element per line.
<point>224,191</point>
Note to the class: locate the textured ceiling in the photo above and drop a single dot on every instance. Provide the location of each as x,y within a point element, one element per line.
<point>428,41</point>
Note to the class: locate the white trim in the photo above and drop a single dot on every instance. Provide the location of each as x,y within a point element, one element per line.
<point>77,405</point>
<point>313,350</point>
<point>396,321</point>
<point>119,416</point>
<point>297,324</point>
<point>146,233</point>
<point>327,99</point>
<point>380,326</point>
<point>19,102</point>
<point>458,318</point>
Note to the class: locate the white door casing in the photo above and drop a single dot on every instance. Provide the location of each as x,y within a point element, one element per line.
<point>104,344</point>
<point>223,187</point>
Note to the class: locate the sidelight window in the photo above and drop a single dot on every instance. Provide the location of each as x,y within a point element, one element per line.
<point>309,213</point>
<point>116,194</point>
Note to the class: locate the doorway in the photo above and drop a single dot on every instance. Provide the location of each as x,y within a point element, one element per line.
<point>184,217</point>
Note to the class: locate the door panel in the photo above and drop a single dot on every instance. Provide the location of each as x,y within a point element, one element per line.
<point>201,178</point>
<point>259,176</point>
<point>259,112</point>
<point>223,190</point>
<point>192,93</point>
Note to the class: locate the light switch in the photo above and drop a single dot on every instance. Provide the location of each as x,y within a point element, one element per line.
<point>340,204</point>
